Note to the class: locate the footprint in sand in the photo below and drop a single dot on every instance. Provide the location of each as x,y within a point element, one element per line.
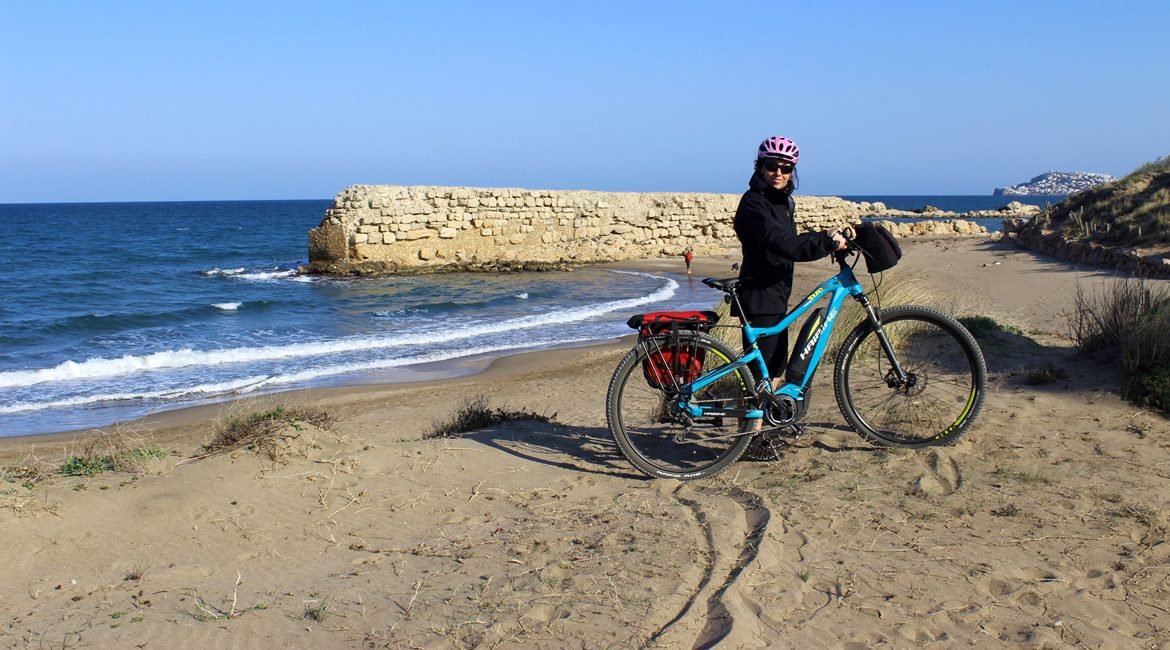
<point>940,478</point>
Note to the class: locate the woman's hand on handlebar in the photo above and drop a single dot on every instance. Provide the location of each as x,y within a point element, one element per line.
<point>840,239</point>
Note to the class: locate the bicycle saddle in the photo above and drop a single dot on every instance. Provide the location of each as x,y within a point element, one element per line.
<point>727,284</point>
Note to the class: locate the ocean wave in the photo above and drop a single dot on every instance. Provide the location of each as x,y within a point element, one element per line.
<point>227,306</point>
<point>224,272</point>
<point>100,368</point>
<point>118,322</point>
<point>252,384</point>
<point>257,275</point>
<point>268,275</point>
<point>221,389</point>
<point>445,308</point>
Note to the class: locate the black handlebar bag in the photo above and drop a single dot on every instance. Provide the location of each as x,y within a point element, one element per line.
<point>878,246</point>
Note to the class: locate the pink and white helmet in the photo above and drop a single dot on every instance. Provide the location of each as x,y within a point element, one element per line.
<point>779,148</point>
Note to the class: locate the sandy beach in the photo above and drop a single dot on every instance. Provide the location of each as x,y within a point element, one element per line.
<point>1046,526</point>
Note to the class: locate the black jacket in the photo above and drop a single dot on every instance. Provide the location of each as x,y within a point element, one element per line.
<point>767,234</point>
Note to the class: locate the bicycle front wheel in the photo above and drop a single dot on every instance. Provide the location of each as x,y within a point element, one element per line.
<point>945,386</point>
<point>656,438</point>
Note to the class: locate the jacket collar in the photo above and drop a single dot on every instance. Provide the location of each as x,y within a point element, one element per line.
<point>757,184</point>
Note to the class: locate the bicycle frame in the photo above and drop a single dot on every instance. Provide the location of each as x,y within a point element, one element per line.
<point>836,288</point>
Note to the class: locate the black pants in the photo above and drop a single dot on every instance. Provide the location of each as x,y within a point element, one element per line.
<point>774,348</point>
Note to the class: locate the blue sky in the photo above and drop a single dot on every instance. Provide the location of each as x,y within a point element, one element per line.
<point>109,101</point>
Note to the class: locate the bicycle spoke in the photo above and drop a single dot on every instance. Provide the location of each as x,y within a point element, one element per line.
<point>663,441</point>
<point>944,386</point>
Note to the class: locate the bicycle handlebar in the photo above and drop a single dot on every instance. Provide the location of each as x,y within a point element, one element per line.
<point>851,247</point>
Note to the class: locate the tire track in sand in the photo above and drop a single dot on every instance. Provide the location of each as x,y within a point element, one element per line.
<point>724,530</point>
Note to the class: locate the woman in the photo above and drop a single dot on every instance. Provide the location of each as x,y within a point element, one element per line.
<point>764,223</point>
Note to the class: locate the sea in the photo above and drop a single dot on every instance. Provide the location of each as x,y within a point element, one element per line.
<point>113,311</point>
<point>959,204</point>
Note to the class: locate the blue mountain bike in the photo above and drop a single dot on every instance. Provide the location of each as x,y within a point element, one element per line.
<point>683,405</point>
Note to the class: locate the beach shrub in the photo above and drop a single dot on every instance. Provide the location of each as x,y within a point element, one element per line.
<point>1130,320</point>
<point>124,460</point>
<point>120,450</point>
<point>79,466</point>
<point>1150,387</point>
<point>1131,316</point>
<point>261,429</point>
<point>475,413</point>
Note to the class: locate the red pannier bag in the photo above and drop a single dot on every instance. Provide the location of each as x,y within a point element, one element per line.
<point>673,360</point>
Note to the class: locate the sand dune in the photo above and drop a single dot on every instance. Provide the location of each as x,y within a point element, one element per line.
<point>1045,527</point>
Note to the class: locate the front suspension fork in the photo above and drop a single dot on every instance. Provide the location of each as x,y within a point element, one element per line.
<point>897,377</point>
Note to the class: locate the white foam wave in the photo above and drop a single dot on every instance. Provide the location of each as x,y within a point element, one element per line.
<point>224,272</point>
<point>522,296</point>
<point>227,306</point>
<point>100,368</point>
<point>267,275</point>
<point>252,384</point>
<point>243,274</point>
<point>236,387</point>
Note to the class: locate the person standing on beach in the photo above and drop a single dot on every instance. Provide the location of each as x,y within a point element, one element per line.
<point>688,257</point>
<point>766,227</point>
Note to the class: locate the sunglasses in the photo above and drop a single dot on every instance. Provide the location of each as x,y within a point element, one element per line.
<point>774,166</point>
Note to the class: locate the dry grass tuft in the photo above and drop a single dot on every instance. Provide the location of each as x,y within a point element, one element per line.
<point>475,413</point>
<point>1129,319</point>
<point>264,431</point>
<point>18,484</point>
<point>30,471</point>
<point>120,450</point>
<point>893,289</point>
<point>1131,315</point>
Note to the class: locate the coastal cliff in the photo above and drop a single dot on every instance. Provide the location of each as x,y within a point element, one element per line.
<point>1056,183</point>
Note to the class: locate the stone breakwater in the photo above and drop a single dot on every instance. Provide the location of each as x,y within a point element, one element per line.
<point>391,229</point>
<point>1012,210</point>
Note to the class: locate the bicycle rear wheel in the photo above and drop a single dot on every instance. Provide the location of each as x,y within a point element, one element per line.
<point>654,437</point>
<point>946,379</point>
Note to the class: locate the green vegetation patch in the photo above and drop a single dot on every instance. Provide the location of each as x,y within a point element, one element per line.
<point>90,464</point>
<point>983,327</point>
<point>1150,387</point>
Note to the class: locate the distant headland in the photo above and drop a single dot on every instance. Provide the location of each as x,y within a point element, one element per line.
<point>1056,183</point>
